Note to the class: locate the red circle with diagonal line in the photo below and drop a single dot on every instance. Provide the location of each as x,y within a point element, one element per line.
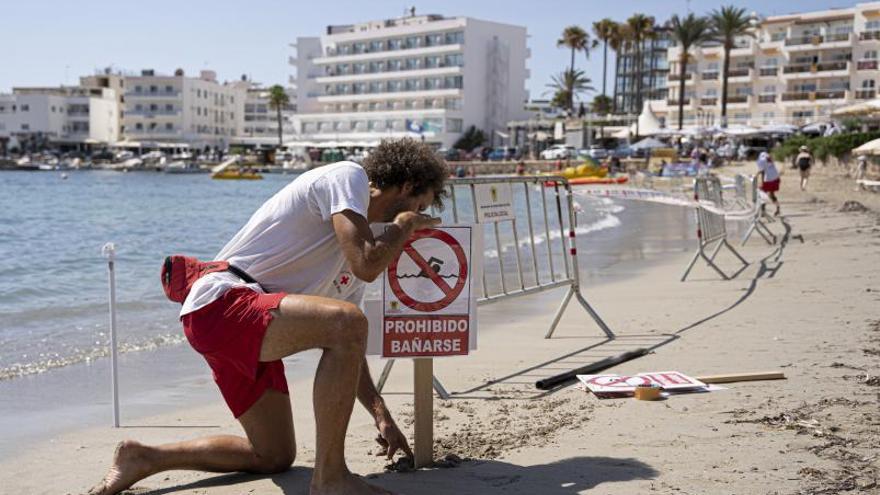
<point>449,293</point>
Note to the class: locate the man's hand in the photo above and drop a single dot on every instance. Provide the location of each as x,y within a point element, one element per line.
<point>391,439</point>
<point>410,221</point>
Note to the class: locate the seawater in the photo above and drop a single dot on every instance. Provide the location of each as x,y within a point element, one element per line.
<point>53,279</point>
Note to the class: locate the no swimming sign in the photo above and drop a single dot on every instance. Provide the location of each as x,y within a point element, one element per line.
<point>428,301</point>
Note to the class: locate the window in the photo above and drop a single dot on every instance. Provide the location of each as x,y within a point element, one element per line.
<point>395,44</point>
<point>769,89</point>
<point>138,89</point>
<point>139,126</point>
<point>153,89</point>
<point>454,60</point>
<point>453,103</point>
<point>413,63</point>
<point>377,66</point>
<point>434,39</point>
<point>169,126</point>
<point>53,108</point>
<point>778,36</point>
<point>434,83</point>
<point>360,47</point>
<point>25,108</point>
<point>359,68</point>
<point>711,93</point>
<point>395,65</point>
<point>169,89</point>
<point>413,84</point>
<point>870,55</point>
<point>169,107</point>
<point>712,67</point>
<point>872,25</point>
<point>377,46</point>
<point>453,82</point>
<point>454,125</point>
<point>377,87</point>
<point>455,37</point>
<point>413,42</point>
<point>868,84</point>
<point>432,62</point>
<point>25,127</point>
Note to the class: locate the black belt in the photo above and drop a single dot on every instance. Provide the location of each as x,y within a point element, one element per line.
<point>238,272</point>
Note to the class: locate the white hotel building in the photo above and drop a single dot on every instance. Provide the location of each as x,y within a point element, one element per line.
<point>198,111</point>
<point>795,70</point>
<point>364,82</point>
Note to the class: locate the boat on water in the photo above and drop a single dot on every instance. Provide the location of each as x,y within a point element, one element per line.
<point>183,167</point>
<point>229,170</point>
<point>236,174</point>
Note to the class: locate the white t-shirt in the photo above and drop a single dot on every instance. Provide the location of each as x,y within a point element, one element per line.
<point>290,245</point>
<point>769,169</point>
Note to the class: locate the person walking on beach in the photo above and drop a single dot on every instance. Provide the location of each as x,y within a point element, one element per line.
<point>804,161</point>
<point>309,249</point>
<point>769,178</point>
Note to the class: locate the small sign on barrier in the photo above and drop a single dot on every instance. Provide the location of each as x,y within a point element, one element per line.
<point>428,302</point>
<point>494,202</point>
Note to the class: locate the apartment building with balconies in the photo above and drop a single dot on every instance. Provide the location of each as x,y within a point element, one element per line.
<point>259,126</point>
<point>425,76</point>
<point>795,69</point>
<point>198,111</point>
<point>629,96</point>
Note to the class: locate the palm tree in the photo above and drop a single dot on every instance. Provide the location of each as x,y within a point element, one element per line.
<point>728,23</point>
<point>618,43</point>
<point>641,27</point>
<point>604,31</point>
<point>575,38</point>
<point>690,31</point>
<point>278,99</point>
<point>568,84</point>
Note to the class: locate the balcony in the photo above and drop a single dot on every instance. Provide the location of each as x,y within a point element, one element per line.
<point>709,102</point>
<point>677,77</point>
<point>803,40</point>
<point>768,72</point>
<point>830,94</point>
<point>869,36</point>
<point>821,94</point>
<point>866,94</point>
<point>767,98</point>
<point>737,99</point>
<point>822,68</point>
<point>152,94</point>
<point>796,96</point>
<point>674,103</point>
<point>866,65</point>
<point>709,76</point>
<point>153,113</point>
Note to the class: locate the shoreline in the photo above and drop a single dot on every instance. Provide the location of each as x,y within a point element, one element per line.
<point>609,256</point>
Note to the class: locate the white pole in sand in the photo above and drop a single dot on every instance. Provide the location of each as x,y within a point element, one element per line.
<point>109,251</point>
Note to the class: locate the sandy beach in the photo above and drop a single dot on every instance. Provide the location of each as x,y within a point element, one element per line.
<point>806,306</point>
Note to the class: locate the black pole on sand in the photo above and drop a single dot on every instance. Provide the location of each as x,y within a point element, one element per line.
<point>557,380</point>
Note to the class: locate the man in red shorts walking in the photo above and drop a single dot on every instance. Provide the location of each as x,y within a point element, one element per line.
<point>769,178</point>
<point>310,249</point>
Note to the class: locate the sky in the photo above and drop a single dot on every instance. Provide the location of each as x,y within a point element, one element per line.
<point>52,42</point>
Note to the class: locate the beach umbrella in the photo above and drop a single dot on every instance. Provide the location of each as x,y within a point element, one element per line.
<point>863,108</point>
<point>649,144</point>
<point>869,148</point>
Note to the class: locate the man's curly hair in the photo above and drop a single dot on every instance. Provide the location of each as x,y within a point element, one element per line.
<point>398,161</point>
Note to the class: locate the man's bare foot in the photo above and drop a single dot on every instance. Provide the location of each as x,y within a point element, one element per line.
<point>128,468</point>
<point>349,485</point>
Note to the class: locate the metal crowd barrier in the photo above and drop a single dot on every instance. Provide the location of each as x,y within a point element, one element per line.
<point>543,254</point>
<point>759,220</point>
<point>711,225</point>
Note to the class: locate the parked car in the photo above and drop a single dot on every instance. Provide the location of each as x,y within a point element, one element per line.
<point>598,152</point>
<point>622,151</point>
<point>558,152</point>
<point>450,154</point>
<point>499,154</point>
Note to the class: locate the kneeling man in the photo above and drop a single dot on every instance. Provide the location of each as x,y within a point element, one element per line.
<point>309,249</point>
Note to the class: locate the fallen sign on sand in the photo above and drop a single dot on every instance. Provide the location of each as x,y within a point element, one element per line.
<point>610,386</point>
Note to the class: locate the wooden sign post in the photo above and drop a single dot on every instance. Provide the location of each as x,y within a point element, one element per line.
<point>424,411</point>
<point>428,310</point>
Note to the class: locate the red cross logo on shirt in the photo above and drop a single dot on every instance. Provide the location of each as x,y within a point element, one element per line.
<point>343,280</point>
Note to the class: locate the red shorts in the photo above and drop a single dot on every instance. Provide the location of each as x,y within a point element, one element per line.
<point>228,333</point>
<point>770,186</point>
